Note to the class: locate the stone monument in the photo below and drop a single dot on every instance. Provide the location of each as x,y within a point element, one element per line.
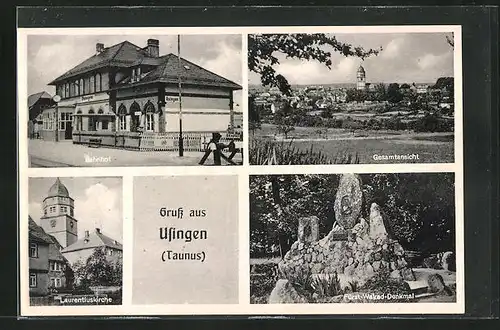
<point>348,201</point>
<point>364,251</point>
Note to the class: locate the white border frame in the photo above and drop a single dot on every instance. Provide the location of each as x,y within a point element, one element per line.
<point>244,306</point>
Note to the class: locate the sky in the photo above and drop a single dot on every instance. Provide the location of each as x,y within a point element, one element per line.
<point>49,56</point>
<point>98,203</point>
<point>406,57</point>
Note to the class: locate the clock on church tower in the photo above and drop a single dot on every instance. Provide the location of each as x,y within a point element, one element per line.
<point>58,210</point>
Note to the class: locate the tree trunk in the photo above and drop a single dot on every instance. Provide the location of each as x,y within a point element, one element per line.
<point>275,186</point>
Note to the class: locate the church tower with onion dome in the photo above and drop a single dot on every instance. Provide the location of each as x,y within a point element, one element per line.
<point>58,215</point>
<point>361,78</point>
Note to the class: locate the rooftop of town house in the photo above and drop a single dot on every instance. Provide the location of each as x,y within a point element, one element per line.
<point>92,240</point>
<point>126,54</point>
<point>55,251</point>
<point>34,98</point>
<point>36,233</point>
<point>168,72</point>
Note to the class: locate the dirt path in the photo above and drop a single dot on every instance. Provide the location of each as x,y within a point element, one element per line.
<point>408,136</point>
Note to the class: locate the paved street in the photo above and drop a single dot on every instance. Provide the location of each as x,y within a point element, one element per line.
<point>65,153</point>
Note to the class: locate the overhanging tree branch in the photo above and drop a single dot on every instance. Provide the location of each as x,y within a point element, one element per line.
<point>262,49</point>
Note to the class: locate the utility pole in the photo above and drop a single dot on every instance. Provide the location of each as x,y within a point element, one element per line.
<point>56,99</point>
<point>57,123</point>
<point>181,142</point>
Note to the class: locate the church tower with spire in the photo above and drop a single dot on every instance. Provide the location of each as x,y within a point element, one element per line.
<point>361,78</point>
<point>58,215</point>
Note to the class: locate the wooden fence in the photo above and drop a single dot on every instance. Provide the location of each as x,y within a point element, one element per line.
<point>153,141</point>
<point>192,141</point>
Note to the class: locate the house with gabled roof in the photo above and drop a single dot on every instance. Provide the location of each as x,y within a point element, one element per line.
<point>84,247</point>
<point>48,268</point>
<point>124,90</point>
<point>36,104</point>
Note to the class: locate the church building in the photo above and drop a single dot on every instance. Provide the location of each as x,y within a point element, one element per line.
<point>361,83</point>
<point>58,221</point>
<point>361,78</point>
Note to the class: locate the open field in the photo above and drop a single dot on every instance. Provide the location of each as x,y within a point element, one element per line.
<point>429,147</point>
<point>368,149</point>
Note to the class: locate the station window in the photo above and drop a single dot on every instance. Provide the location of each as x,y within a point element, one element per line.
<point>122,118</point>
<point>149,124</point>
<point>92,85</point>
<point>98,82</point>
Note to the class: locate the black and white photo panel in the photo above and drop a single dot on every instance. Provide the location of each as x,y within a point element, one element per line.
<point>349,238</point>
<point>353,98</point>
<point>75,235</point>
<point>133,100</point>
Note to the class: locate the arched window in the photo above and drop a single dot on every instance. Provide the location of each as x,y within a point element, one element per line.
<point>98,82</point>
<point>149,124</point>
<point>135,112</point>
<point>135,107</point>
<point>92,85</point>
<point>122,117</point>
<point>92,121</point>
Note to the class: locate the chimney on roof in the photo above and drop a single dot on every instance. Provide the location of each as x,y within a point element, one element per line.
<point>153,47</point>
<point>98,230</point>
<point>99,48</point>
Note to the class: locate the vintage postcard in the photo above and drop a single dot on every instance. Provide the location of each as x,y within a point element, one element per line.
<point>386,237</point>
<point>347,197</point>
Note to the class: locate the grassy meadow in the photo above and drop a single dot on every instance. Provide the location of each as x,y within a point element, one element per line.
<point>332,143</point>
